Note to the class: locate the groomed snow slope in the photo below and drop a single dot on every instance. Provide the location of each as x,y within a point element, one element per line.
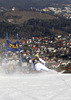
<point>35,86</point>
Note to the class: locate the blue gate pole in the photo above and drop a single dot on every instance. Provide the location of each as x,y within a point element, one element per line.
<point>7,52</point>
<point>20,55</point>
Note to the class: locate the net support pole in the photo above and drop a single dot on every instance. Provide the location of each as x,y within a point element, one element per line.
<point>20,55</point>
<point>7,53</point>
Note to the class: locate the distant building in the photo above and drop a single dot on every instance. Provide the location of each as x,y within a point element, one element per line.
<point>10,20</point>
<point>13,9</point>
<point>45,10</point>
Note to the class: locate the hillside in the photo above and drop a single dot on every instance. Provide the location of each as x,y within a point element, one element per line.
<point>30,23</point>
<point>36,27</point>
<point>21,16</point>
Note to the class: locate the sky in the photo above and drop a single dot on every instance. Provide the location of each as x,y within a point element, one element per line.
<point>31,3</point>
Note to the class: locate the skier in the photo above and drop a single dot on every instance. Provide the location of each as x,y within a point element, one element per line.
<point>38,64</point>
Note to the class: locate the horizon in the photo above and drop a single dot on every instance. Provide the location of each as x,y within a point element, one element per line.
<point>22,4</point>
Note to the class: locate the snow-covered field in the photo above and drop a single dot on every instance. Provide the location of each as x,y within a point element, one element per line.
<point>35,86</point>
<point>16,85</point>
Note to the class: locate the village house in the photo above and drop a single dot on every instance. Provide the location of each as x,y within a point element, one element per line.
<point>69,43</point>
<point>23,42</point>
<point>24,54</point>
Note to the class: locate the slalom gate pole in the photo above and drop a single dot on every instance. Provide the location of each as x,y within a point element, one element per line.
<point>20,55</point>
<point>7,52</point>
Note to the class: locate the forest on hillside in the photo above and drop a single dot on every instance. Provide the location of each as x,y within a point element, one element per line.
<point>36,27</point>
